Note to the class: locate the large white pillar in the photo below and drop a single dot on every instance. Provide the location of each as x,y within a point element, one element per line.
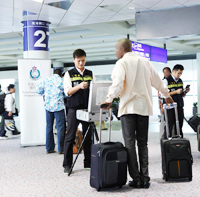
<point>32,70</point>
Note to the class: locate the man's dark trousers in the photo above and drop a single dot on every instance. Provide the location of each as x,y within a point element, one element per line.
<point>172,121</point>
<point>135,127</point>
<point>72,125</point>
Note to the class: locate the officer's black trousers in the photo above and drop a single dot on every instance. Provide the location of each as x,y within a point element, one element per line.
<point>172,121</point>
<point>72,124</point>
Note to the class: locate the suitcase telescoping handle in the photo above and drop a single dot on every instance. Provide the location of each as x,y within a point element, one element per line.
<point>166,107</point>
<point>100,122</point>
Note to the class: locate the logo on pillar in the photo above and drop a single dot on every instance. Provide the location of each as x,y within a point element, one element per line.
<point>35,73</point>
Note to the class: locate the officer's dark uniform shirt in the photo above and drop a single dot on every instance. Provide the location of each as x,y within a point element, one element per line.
<point>78,100</point>
<point>173,85</point>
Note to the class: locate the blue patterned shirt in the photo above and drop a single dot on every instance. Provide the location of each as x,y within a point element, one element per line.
<point>53,89</point>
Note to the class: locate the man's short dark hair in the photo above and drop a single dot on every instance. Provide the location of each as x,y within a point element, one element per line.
<point>126,43</point>
<point>178,67</point>
<point>79,53</point>
<point>169,69</point>
<point>11,86</point>
<point>58,71</point>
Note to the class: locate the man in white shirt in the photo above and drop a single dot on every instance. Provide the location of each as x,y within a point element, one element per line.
<point>76,88</point>
<point>9,105</point>
<point>10,101</point>
<point>132,78</point>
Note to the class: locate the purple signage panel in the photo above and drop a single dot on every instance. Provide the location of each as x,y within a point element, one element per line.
<point>36,35</point>
<point>141,49</point>
<point>158,54</point>
<point>151,53</point>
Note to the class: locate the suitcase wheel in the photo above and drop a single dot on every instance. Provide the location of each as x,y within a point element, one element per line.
<point>190,179</point>
<point>98,189</point>
<point>166,179</point>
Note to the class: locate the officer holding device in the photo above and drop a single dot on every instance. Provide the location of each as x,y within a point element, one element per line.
<point>177,92</point>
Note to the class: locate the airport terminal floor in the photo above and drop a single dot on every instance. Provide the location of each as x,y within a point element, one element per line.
<point>29,171</point>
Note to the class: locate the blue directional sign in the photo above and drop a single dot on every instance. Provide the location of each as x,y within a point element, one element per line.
<point>151,53</point>
<point>158,54</point>
<point>36,35</point>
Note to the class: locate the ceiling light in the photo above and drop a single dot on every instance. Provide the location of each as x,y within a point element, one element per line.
<point>131,8</point>
<point>40,1</point>
<point>113,7</point>
<point>61,4</point>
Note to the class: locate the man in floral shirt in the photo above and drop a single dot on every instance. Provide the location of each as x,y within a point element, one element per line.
<point>53,91</point>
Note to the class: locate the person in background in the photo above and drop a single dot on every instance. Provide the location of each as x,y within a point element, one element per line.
<point>76,85</point>
<point>2,109</point>
<point>132,78</point>
<point>52,88</point>
<point>177,92</point>
<point>65,102</point>
<point>10,110</point>
<point>166,71</point>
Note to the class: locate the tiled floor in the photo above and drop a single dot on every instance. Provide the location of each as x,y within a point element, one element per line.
<point>31,172</point>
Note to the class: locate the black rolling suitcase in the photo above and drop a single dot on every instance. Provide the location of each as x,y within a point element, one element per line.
<point>194,121</point>
<point>176,154</point>
<point>198,137</point>
<point>108,163</point>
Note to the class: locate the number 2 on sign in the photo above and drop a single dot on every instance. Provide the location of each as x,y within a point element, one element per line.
<point>39,43</point>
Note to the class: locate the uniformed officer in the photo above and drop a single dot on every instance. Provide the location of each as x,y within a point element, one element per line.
<point>76,87</point>
<point>177,92</point>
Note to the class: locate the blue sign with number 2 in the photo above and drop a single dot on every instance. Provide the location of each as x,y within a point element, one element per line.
<point>36,35</point>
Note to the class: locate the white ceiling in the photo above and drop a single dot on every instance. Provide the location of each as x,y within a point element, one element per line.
<point>93,25</point>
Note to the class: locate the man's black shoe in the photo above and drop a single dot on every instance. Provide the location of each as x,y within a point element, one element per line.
<point>146,184</point>
<point>16,133</point>
<point>135,184</point>
<point>86,165</point>
<point>53,151</point>
<point>66,170</point>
